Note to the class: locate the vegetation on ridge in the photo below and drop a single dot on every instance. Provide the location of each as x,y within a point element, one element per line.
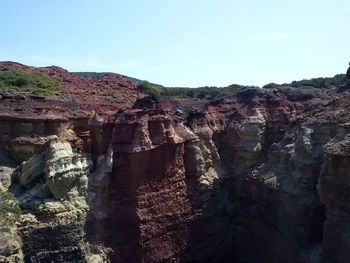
<point>33,82</point>
<point>216,92</point>
<point>321,83</point>
<point>200,93</point>
<point>148,88</point>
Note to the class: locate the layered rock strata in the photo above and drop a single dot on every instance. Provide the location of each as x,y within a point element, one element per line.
<point>257,177</point>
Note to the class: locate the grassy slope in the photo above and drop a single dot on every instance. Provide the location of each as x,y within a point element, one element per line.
<point>32,82</point>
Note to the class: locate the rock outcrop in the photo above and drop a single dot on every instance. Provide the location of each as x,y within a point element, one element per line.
<point>334,192</point>
<point>259,176</point>
<point>52,190</point>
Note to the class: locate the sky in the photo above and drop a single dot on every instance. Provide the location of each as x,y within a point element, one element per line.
<point>181,42</point>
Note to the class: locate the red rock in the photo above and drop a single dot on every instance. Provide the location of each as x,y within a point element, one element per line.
<point>192,180</point>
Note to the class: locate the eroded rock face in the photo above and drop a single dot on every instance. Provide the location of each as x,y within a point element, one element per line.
<point>52,191</point>
<point>334,193</point>
<point>257,177</point>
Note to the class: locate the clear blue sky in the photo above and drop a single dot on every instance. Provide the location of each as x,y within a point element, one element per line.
<point>181,42</point>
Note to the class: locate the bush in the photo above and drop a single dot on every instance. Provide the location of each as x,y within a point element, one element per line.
<point>321,83</point>
<point>202,92</point>
<point>33,82</point>
<point>148,88</point>
<point>9,210</point>
<point>270,86</point>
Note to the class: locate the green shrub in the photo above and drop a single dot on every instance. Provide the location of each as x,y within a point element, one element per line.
<point>202,92</point>
<point>33,82</point>
<point>321,83</point>
<point>270,86</point>
<point>9,210</point>
<point>148,88</point>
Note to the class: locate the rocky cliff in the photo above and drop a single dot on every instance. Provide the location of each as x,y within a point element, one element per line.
<point>259,176</point>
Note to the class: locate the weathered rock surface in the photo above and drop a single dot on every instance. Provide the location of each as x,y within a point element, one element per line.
<point>334,193</point>
<point>261,176</point>
<point>52,190</point>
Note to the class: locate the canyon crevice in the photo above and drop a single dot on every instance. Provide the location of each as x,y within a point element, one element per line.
<point>259,176</point>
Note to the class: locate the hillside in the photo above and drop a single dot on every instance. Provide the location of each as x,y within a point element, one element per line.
<point>100,172</point>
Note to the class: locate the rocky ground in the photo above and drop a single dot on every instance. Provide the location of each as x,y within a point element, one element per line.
<point>104,173</point>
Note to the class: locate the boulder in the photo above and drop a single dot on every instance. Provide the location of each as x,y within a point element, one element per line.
<point>63,168</point>
<point>32,170</point>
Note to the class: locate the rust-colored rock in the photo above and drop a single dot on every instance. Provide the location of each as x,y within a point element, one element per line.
<point>260,176</point>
